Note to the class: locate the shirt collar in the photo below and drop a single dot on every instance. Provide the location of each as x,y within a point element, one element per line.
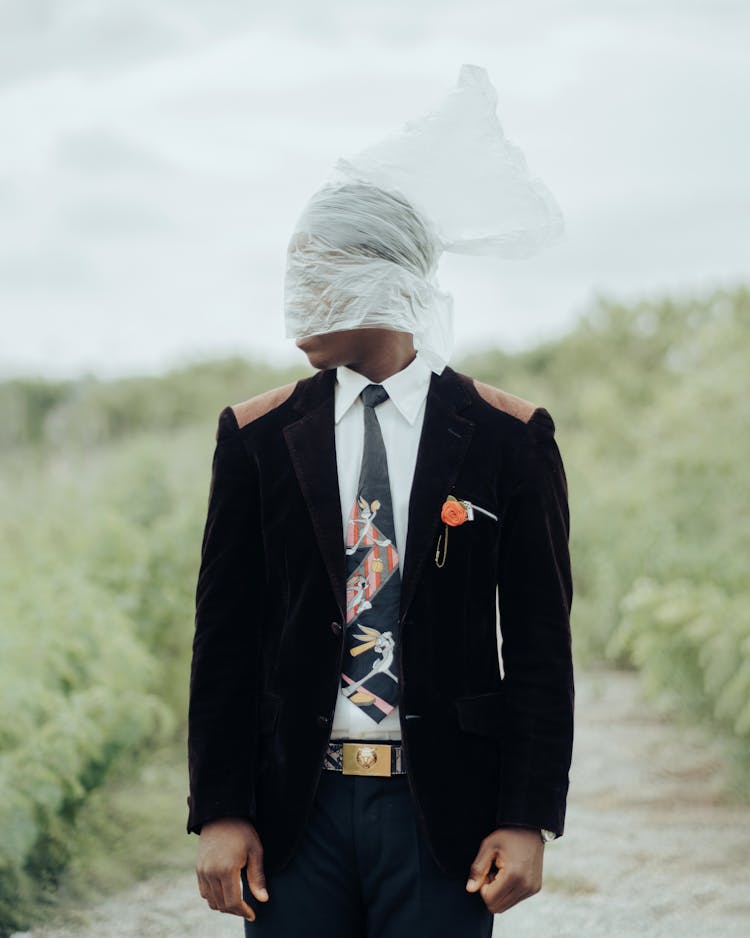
<point>406,388</point>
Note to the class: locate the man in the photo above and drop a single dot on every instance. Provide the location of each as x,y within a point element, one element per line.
<point>267,641</point>
<point>362,759</point>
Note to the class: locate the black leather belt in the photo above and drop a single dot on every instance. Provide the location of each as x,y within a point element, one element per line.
<point>364,758</point>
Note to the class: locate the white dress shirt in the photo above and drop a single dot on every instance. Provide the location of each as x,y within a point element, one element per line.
<point>400,417</point>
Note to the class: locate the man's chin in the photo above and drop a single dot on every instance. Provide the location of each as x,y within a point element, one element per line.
<point>319,362</point>
<point>314,348</point>
<point>317,358</point>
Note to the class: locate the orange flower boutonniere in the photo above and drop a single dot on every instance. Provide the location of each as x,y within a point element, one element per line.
<point>453,513</point>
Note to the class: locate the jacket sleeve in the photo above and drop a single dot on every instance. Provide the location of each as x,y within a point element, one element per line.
<point>535,594</point>
<point>225,668</point>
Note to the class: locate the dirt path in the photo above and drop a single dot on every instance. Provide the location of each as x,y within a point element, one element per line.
<point>650,850</point>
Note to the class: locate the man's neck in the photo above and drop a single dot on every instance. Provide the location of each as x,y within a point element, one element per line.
<point>379,369</point>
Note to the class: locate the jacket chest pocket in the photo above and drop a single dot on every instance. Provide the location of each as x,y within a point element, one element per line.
<point>481,509</point>
<point>467,526</point>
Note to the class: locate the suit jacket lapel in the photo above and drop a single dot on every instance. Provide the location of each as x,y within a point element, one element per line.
<point>443,445</point>
<point>312,446</point>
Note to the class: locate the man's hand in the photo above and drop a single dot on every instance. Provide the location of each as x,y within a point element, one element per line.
<point>518,854</point>
<point>224,848</point>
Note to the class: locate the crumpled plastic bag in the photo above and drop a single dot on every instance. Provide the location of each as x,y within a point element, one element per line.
<point>365,250</point>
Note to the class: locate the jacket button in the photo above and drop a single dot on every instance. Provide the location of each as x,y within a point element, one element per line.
<point>336,627</point>
<point>322,719</point>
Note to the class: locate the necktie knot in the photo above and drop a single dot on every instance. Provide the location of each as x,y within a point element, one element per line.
<point>373,395</point>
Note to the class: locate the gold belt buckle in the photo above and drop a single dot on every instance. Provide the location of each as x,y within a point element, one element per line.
<point>369,759</point>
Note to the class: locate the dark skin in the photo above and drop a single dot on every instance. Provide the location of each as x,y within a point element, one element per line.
<point>508,865</point>
<point>375,353</point>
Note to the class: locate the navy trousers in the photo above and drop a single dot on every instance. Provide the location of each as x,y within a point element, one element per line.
<point>364,870</point>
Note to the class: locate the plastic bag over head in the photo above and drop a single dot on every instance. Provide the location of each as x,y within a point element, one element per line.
<point>366,247</point>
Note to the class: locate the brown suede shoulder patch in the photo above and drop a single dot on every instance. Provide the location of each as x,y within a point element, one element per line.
<point>515,406</point>
<point>255,407</point>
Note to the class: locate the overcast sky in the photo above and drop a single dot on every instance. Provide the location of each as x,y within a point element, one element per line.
<point>154,155</point>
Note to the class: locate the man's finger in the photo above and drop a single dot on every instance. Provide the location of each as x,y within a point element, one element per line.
<point>231,886</point>
<point>480,867</point>
<point>218,893</point>
<point>505,892</point>
<point>256,877</point>
<point>206,891</point>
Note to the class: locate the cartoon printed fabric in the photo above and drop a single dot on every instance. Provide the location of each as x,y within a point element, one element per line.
<point>370,674</point>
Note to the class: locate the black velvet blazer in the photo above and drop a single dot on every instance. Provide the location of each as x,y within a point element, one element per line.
<point>485,746</point>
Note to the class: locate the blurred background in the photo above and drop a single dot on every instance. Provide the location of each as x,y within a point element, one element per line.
<point>154,158</point>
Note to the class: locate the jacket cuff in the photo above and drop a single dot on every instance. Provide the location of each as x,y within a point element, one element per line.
<point>198,815</point>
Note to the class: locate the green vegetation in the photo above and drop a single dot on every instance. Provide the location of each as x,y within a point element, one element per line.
<point>102,508</point>
<point>101,513</point>
<point>653,420</point>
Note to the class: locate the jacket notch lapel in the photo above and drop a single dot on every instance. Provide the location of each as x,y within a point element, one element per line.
<point>443,445</point>
<point>312,446</point>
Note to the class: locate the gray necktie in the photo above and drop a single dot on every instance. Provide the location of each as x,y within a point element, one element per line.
<point>370,669</point>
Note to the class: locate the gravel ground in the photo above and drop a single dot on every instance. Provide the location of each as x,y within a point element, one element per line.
<point>651,847</point>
